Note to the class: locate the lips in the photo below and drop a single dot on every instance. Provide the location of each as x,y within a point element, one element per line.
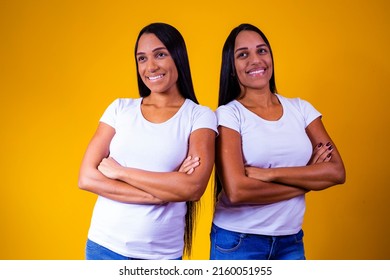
<point>154,78</point>
<point>258,71</point>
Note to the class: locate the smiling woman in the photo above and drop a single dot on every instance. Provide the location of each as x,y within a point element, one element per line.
<point>156,67</point>
<point>271,151</point>
<point>141,161</point>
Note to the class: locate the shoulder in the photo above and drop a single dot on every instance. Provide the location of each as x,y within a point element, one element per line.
<point>199,116</point>
<point>232,106</point>
<point>197,108</point>
<point>289,100</point>
<point>296,102</point>
<point>300,107</point>
<point>117,108</point>
<point>126,102</point>
<point>123,104</point>
<point>233,109</point>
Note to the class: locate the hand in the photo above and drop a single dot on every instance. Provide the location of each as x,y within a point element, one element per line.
<point>321,153</point>
<point>262,174</point>
<point>109,167</point>
<point>189,164</point>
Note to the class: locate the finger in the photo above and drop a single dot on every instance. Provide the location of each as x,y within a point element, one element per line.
<point>185,164</point>
<point>328,157</point>
<point>326,153</point>
<point>195,164</point>
<point>316,153</point>
<point>189,163</point>
<point>191,167</point>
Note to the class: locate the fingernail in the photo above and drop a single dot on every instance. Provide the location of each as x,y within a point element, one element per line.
<point>327,144</point>
<point>319,145</point>
<point>329,155</point>
<point>330,147</point>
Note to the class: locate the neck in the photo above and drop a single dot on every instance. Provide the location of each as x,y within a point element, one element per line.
<point>164,99</point>
<point>257,98</point>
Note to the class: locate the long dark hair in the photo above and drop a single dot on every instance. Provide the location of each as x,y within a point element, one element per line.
<point>229,86</point>
<point>174,42</point>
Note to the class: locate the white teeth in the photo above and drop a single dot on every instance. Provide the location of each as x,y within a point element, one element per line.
<point>256,72</point>
<point>155,77</point>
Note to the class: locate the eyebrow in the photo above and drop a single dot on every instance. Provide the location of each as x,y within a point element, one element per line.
<point>245,48</point>
<point>156,49</point>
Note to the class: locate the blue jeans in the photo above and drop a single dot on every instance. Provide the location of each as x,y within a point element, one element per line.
<point>94,251</point>
<point>230,245</point>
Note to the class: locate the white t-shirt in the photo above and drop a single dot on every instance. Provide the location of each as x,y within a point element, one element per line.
<point>147,231</point>
<point>268,144</point>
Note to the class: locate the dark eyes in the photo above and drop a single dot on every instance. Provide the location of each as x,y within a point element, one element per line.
<point>244,54</point>
<point>158,55</point>
<point>141,58</point>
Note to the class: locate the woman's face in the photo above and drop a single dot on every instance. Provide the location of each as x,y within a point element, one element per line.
<point>252,60</point>
<point>155,65</point>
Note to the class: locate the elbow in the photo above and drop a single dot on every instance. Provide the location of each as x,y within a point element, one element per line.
<point>194,198</point>
<point>234,196</point>
<point>334,176</point>
<point>340,176</point>
<point>235,200</point>
<point>339,180</point>
<point>83,183</point>
<point>197,195</point>
<point>195,192</point>
<point>233,193</point>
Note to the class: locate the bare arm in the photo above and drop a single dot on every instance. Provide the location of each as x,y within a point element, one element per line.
<point>238,187</point>
<point>171,186</point>
<point>92,180</point>
<point>322,171</point>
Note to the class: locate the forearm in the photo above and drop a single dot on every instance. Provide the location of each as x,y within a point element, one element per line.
<point>176,185</point>
<point>245,190</point>
<point>168,186</point>
<point>238,186</point>
<point>95,182</point>
<point>312,177</point>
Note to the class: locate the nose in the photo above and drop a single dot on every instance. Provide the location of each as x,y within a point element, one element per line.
<point>254,59</point>
<point>152,66</point>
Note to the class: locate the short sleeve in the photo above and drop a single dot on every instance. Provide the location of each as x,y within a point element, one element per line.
<point>309,112</point>
<point>204,118</point>
<point>110,114</point>
<point>228,117</point>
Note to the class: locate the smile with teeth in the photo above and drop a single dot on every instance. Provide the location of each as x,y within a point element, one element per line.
<point>154,78</point>
<point>256,72</point>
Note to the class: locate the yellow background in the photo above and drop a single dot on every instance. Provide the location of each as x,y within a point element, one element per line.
<point>63,62</point>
